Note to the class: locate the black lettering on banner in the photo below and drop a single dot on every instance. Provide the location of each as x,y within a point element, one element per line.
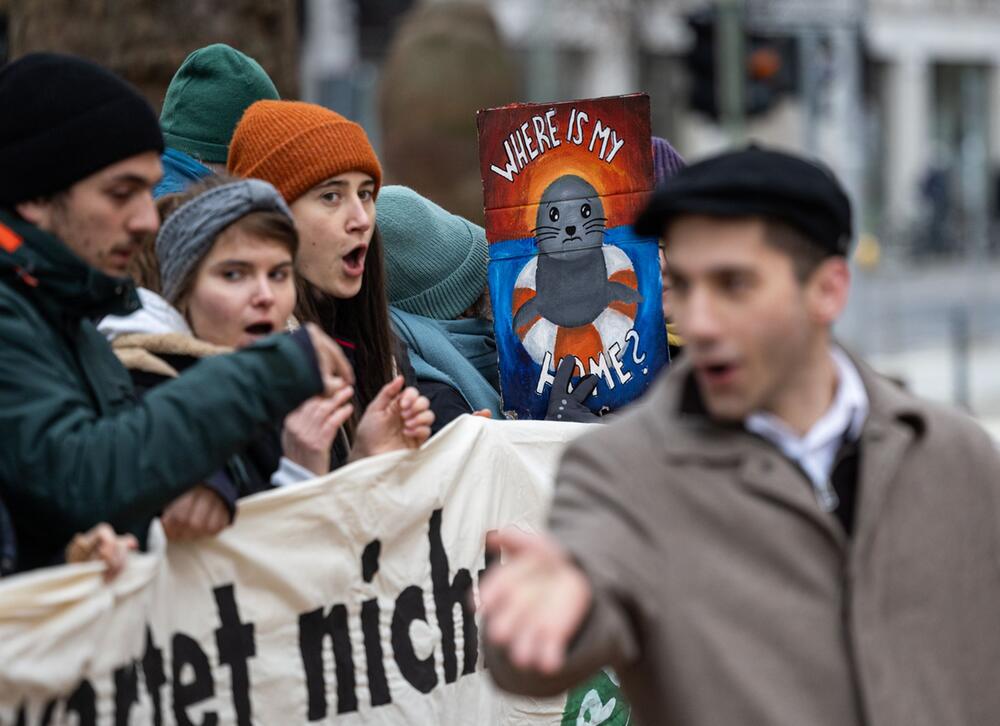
<point>152,673</point>
<point>491,557</point>
<point>126,692</point>
<point>378,688</point>
<point>369,560</point>
<point>22,714</point>
<point>314,629</point>
<point>235,641</point>
<point>50,708</point>
<point>83,703</point>
<point>446,596</point>
<point>45,720</point>
<point>186,651</point>
<point>409,607</point>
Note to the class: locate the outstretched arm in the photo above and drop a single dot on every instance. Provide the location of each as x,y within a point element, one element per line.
<point>548,627</point>
<point>569,603</point>
<point>64,467</point>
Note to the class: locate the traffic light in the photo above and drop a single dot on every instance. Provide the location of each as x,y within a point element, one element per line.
<point>701,62</point>
<point>771,71</point>
<point>769,68</point>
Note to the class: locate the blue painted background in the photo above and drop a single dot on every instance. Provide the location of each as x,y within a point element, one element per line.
<point>519,373</point>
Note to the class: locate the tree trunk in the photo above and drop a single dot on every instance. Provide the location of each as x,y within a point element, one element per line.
<point>146,40</point>
<point>446,62</point>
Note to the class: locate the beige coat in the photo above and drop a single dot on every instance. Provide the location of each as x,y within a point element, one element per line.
<point>724,595</point>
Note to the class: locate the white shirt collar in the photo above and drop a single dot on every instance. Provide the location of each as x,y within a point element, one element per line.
<point>816,451</point>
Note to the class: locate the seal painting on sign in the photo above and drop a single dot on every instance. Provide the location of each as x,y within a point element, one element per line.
<point>568,276</point>
<point>572,286</point>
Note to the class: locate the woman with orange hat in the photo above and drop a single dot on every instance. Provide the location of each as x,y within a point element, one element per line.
<point>327,171</point>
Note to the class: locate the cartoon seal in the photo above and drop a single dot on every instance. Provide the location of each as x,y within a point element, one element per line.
<point>572,287</point>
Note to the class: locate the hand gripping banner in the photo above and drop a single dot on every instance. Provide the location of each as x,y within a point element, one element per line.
<point>343,600</point>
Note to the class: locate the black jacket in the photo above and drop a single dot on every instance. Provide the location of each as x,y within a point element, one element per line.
<point>246,472</point>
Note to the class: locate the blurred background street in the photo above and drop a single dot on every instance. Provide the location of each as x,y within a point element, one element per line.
<point>900,97</point>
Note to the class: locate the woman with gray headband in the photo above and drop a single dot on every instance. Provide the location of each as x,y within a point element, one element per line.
<point>223,265</point>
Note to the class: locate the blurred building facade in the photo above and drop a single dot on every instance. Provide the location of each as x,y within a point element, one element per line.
<point>937,73</point>
<point>900,97</point>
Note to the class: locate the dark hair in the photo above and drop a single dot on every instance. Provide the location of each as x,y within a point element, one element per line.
<point>481,309</point>
<point>144,267</point>
<point>806,255</point>
<point>362,320</point>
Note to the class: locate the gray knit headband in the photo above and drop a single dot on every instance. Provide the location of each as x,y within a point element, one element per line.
<point>188,234</point>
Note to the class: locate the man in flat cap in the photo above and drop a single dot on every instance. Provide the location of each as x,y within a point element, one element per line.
<point>79,155</point>
<point>775,534</point>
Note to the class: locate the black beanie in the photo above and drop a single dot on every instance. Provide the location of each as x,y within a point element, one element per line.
<point>63,118</point>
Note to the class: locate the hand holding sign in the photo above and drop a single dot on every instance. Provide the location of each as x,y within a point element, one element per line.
<point>571,405</point>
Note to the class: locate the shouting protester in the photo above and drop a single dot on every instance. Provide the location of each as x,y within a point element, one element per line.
<point>775,534</point>
<point>225,256</point>
<point>77,166</point>
<point>327,171</point>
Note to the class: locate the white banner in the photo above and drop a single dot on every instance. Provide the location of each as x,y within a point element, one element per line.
<point>342,600</point>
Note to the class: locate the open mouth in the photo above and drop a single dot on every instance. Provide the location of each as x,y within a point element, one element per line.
<point>354,261</point>
<point>260,329</point>
<point>718,374</point>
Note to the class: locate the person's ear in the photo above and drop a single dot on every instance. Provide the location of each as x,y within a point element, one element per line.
<point>827,290</point>
<point>36,211</point>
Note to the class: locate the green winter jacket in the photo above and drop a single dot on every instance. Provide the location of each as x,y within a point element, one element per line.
<point>77,446</point>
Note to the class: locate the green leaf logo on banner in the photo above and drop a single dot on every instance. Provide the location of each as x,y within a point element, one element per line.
<point>597,702</point>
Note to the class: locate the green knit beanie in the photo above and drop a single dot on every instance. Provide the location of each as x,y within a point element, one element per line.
<point>207,97</point>
<point>435,261</point>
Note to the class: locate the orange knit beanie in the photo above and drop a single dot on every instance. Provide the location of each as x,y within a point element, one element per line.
<point>295,146</point>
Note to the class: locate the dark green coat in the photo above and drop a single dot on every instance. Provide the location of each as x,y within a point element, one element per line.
<point>76,446</point>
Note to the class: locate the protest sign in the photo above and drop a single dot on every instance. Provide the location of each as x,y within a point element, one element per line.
<point>562,184</point>
<point>344,600</point>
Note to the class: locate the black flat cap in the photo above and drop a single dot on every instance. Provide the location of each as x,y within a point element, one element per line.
<point>757,182</point>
